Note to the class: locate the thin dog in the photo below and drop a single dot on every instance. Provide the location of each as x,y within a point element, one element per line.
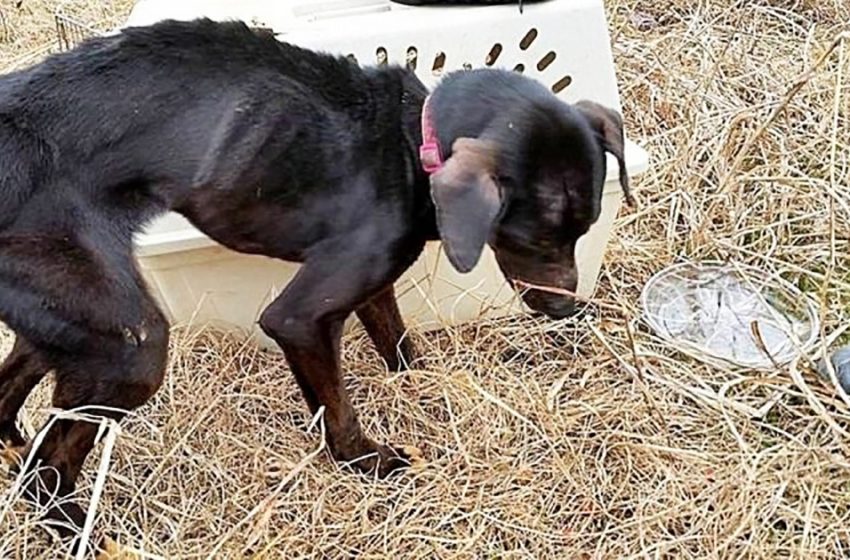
<point>275,150</point>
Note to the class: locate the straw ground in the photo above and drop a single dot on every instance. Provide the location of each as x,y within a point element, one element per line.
<point>580,439</point>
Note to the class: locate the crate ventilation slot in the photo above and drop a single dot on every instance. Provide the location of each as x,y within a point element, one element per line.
<point>493,55</point>
<point>528,39</point>
<point>443,61</point>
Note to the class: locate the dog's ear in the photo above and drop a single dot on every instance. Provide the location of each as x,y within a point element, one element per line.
<point>247,126</point>
<point>608,124</point>
<point>468,200</point>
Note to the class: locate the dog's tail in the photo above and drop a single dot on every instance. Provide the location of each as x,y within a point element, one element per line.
<point>23,164</point>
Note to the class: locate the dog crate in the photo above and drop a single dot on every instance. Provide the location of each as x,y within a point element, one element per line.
<point>562,43</point>
<point>69,30</point>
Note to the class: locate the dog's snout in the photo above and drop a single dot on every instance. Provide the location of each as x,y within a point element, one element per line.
<point>546,288</point>
<point>561,308</point>
<point>553,306</point>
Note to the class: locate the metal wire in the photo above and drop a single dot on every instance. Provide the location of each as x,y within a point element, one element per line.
<point>71,31</point>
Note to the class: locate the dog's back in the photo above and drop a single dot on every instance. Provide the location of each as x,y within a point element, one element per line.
<point>133,113</point>
<point>23,157</point>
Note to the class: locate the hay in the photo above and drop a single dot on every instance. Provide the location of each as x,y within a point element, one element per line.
<point>554,440</point>
<point>28,31</point>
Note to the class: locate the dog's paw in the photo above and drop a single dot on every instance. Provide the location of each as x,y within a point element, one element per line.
<point>10,436</point>
<point>111,550</point>
<point>393,459</point>
<point>385,460</point>
<point>413,455</point>
<point>13,456</point>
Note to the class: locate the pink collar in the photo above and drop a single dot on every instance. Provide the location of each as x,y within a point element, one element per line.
<point>429,151</point>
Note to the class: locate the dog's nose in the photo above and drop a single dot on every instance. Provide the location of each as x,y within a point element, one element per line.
<point>555,307</point>
<point>560,309</point>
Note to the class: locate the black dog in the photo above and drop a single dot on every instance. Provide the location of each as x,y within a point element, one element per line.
<point>274,150</point>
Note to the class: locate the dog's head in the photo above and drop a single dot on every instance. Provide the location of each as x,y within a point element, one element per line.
<point>530,186</point>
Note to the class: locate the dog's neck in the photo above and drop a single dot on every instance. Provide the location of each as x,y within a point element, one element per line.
<point>413,97</point>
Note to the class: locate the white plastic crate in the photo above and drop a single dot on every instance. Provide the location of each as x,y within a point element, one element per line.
<point>562,43</point>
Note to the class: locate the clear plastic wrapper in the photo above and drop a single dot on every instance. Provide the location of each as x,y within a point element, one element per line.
<point>728,313</point>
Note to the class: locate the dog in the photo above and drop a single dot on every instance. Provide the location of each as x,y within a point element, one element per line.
<point>275,150</point>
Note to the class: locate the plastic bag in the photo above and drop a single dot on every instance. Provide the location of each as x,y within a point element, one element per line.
<point>733,314</point>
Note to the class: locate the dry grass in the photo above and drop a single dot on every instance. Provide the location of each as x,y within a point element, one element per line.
<point>28,32</point>
<point>553,440</point>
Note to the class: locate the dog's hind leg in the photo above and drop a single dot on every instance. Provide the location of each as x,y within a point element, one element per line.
<point>103,385</point>
<point>19,374</point>
<point>382,320</point>
<point>90,317</point>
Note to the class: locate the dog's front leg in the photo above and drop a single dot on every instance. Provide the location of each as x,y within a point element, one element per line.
<point>306,320</point>
<point>382,320</point>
